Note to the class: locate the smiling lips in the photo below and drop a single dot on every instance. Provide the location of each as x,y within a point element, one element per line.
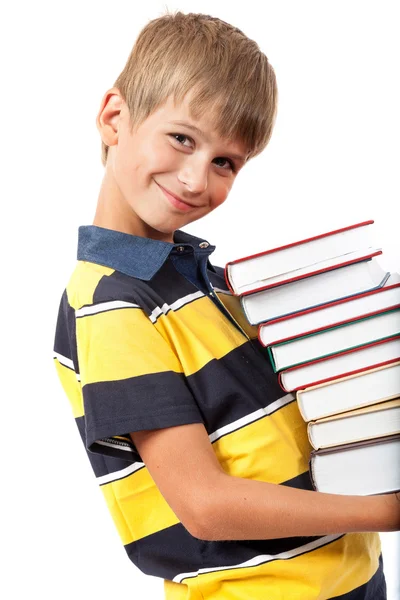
<point>176,201</point>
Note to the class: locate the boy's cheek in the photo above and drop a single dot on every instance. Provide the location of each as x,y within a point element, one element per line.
<point>220,196</point>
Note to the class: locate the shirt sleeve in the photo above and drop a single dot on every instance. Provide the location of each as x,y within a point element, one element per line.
<point>131,378</point>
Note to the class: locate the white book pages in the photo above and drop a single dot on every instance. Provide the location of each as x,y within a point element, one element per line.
<point>314,291</point>
<point>298,256</point>
<point>360,471</point>
<point>336,340</point>
<point>337,366</point>
<point>337,261</point>
<point>351,392</point>
<point>347,429</point>
<point>328,316</point>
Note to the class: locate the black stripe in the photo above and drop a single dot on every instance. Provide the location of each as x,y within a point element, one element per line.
<point>301,482</point>
<point>173,550</point>
<point>166,286</point>
<point>234,386</point>
<point>218,278</point>
<point>143,402</point>
<point>65,338</point>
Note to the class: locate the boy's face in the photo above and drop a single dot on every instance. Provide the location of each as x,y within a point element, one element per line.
<point>161,156</point>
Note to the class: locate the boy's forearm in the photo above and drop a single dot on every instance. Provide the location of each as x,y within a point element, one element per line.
<point>243,509</point>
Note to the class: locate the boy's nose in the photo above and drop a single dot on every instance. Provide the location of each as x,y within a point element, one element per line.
<point>194,176</point>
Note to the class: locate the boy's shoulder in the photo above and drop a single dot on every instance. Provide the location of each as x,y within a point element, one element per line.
<point>84,281</point>
<point>92,283</point>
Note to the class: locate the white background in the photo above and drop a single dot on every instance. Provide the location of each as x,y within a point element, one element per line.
<point>332,161</point>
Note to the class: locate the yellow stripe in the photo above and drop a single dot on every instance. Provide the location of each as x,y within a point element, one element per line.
<point>326,572</point>
<point>83,283</point>
<point>232,303</point>
<point>119,344</point>
<point>182,591</point>
<point>71,387</point>
<point>199,333</point>
<point>274,448</point>
<point>137,507</point>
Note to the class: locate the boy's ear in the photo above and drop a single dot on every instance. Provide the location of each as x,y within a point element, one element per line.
<point>109,115</point>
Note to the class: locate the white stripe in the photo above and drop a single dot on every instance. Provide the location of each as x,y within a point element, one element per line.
<point>250,418</point>
<point>223,291</point>
<point>103,306</point>
<point>63,360</point>
<point>113,304</point>
<point>159,311</point>
<point>174,306</point>
<point>67,362</point>
<point>264,558</point>
<point>186,299</point>
<point>120,474</point>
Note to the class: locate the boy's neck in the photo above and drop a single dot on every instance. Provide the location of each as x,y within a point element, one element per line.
<point>112,212</point>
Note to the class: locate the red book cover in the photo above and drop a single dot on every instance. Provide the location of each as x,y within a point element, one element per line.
<point>284,247</point>
<point>328,305</point>
<point>343,374</point>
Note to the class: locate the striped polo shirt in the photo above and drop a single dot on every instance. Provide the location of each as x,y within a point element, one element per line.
<point>148,336</point>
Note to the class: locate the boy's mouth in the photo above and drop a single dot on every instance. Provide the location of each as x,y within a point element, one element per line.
<point>176,201</point>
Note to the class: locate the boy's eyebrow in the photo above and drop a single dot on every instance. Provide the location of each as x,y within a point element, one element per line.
<point>202,134</point>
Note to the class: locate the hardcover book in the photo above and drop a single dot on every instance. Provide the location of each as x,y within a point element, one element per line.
<point>299,259</point>
<point>362,468</point>
<point>346,393</point>
<point>349,362</point>
<point>334,340</point>
<point>367,423</point>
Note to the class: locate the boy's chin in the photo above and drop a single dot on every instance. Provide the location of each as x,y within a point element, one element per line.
<point>168,226</point>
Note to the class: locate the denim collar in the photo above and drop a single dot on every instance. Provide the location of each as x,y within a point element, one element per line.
<point>133,255</point>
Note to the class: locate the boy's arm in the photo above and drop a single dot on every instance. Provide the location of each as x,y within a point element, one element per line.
<point>213,505</point>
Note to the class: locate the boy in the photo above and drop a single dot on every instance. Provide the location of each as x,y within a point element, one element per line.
<point>186,427</point>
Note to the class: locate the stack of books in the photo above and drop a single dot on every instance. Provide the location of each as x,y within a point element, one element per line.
<point>329,316</point>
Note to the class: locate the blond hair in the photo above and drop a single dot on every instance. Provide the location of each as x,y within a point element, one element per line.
<point>232,79</point>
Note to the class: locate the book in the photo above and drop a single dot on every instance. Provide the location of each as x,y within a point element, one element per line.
<point>354,391</point>
<point>369,422</point>
<point>261,270</point>
<point>361,469</point>
<point>334,340</point>
<point>349,362</point>
<point>313,291</point>
<point>332,314</point>
<point>314,269</point>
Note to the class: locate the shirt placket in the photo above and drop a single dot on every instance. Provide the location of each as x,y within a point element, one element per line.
<point>199,257</point>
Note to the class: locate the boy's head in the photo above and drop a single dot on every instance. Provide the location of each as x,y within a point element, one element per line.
<point>193,68</point>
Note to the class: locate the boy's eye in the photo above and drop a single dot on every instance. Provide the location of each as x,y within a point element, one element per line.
<point>230,163</point>
<point>180,135</point>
